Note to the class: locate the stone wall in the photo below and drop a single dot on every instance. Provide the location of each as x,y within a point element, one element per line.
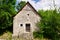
<point>26,15</point>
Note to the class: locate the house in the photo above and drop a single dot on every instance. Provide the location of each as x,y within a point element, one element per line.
<point>24,23</point>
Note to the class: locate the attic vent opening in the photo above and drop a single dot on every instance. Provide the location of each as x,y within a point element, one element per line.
<point>28,14</point>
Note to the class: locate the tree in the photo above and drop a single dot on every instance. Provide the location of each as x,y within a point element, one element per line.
<point>49,24</point>
<point>20,5</point>
<point>7,11</point>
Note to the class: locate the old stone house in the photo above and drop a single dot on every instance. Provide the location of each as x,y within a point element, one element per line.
<point>24,22</point>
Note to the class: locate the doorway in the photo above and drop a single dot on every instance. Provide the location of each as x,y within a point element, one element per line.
<point>28,27</point>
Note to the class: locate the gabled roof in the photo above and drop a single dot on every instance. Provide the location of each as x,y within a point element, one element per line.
<point>31,7</point>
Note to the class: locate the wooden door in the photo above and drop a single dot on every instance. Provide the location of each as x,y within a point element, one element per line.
<point>27,27</point>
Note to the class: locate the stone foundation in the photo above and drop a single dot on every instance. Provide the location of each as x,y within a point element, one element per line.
<point>24,36</point>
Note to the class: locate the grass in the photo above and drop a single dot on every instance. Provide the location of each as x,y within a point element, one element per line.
<point>6,35</point>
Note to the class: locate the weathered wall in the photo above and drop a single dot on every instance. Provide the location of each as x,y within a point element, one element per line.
<point>22,18</point>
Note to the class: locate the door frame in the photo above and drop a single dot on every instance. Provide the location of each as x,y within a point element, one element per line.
<point>25,28</point>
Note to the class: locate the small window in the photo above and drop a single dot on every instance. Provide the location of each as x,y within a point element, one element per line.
<point>28,14</point>
<point>21,24</point>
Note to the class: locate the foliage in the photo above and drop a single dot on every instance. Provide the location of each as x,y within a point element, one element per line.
<point>49,25</point>
<point>20,5</point>
<point>6,36</point>
<point>7,11</point>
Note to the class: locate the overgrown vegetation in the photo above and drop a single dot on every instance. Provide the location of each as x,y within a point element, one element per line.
<point>49,25</point>
<point>7,12</point>
<point>20,5</point>
<point>6,36</point>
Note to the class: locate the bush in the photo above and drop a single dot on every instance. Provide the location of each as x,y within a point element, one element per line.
<point>49,25</point>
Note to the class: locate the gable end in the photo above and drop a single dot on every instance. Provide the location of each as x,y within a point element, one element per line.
<point>31,7</point>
